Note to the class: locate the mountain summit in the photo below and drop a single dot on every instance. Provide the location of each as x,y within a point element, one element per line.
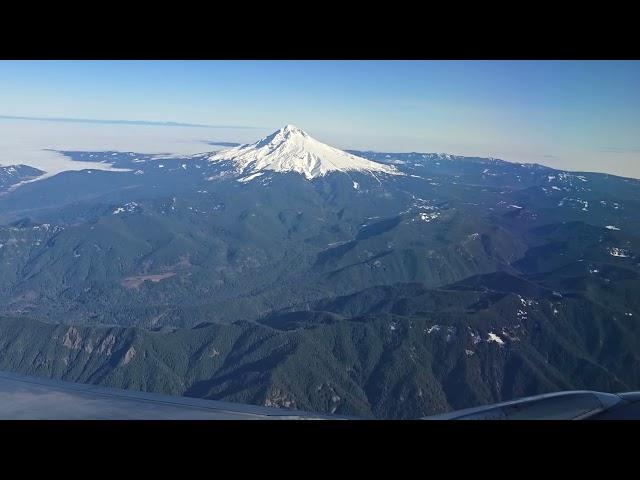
<point>291,149</point>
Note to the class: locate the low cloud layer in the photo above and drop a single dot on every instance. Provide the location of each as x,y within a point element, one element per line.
<point>36,143</point>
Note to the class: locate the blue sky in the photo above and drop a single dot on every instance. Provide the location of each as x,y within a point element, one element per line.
<point>577,115</point>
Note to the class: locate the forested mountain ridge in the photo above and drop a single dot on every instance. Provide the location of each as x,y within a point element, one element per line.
<point>439,282</point>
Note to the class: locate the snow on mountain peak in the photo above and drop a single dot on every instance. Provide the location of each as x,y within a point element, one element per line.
<point>292,129</point>
<point>291,149</point>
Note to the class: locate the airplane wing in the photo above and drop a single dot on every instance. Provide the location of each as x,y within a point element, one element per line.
<point>33,398</point>
<point>571,405</point>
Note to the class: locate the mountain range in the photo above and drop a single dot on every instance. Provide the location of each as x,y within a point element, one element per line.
<point>290,273</point>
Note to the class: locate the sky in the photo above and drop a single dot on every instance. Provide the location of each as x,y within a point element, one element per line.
<point>576,115</point>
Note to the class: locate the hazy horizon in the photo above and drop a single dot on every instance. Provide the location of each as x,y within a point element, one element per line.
<point>29,144</point>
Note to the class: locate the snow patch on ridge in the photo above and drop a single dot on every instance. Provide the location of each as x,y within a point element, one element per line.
<point>495,338</point>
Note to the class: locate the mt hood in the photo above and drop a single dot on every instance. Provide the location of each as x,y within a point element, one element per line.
<point>291,149</point>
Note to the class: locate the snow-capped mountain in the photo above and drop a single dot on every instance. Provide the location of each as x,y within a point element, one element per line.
<point>291,149</point>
